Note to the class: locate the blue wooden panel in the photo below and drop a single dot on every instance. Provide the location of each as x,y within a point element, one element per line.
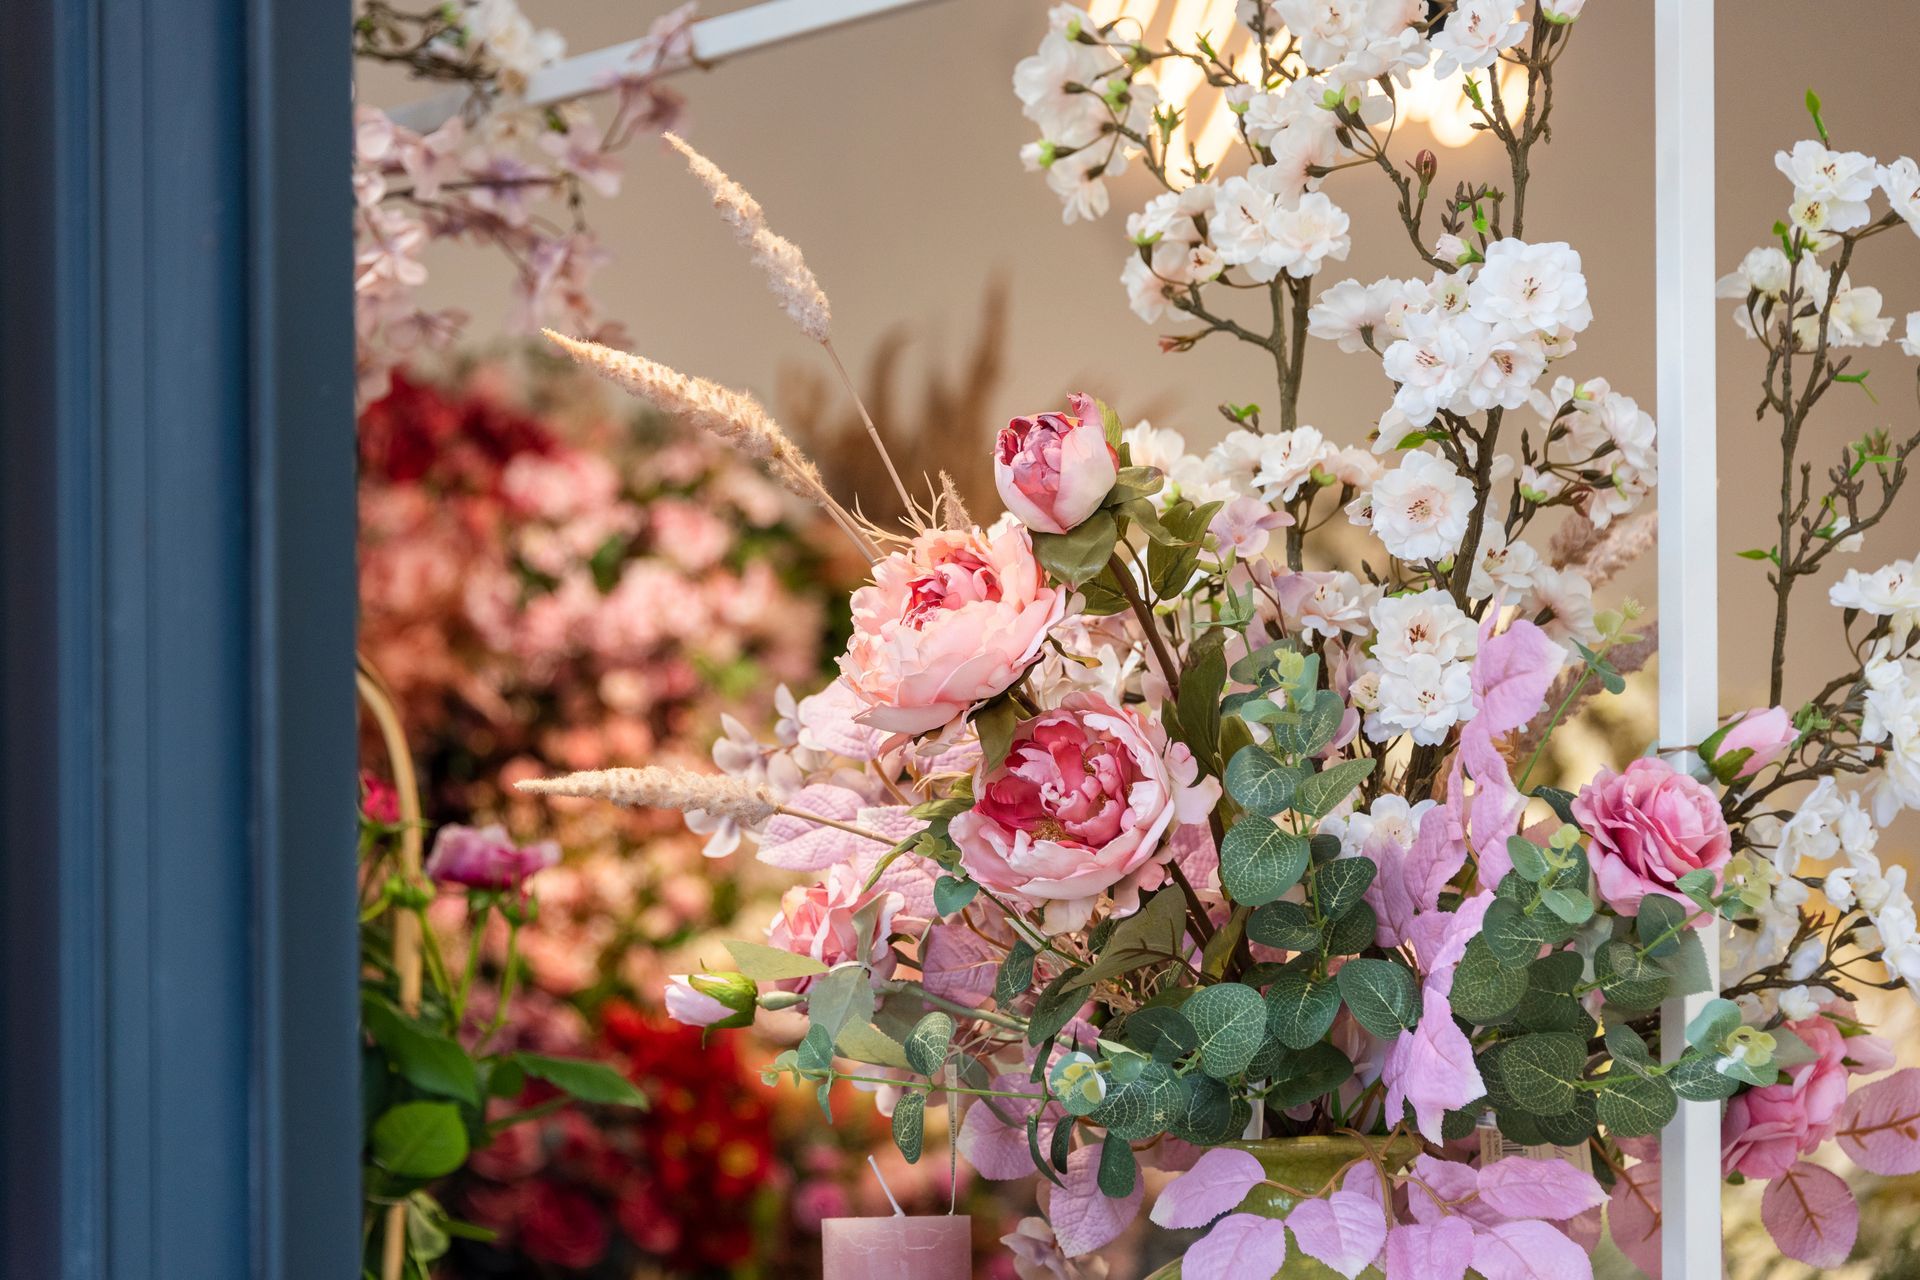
<point>177,1058</point>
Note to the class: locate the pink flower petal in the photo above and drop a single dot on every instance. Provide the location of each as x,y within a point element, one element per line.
<point>1528,1250</point>
<point>1218,1182</point>
<point>1346,1231</point>
<point>1518,1187</point>
<point>1438,1250</point>
<point>1083,1217</point>
<point>1241,1246</point>
<point>1880,1127</point>
<point>1811,1215</point>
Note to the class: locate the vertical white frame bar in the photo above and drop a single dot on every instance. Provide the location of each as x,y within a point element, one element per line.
<point>1688,553</point>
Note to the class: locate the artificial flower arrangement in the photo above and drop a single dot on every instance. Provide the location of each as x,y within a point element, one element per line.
<point>1155,831</point>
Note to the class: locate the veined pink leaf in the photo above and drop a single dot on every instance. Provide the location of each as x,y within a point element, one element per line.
<point>1511,675</point>
<point>1241,1246</point>
<point>1633,1216</point>
<point>1518,1187</point>
<point>1811,1215</point>
<point>1346,1231</point>
<point>1529,1250</point>
<point>1431,1066</point>
<point>1438,1250</point>
<point>996,1149</point>
<point>1218,1181</point>
<point>794,844</point>
<point>1454,1183</point>
<point>1083,1217</point>
<point>1880,1125</point>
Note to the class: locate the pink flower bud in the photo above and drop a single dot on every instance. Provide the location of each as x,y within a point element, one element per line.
<point>1054,470</point>
<point>711,999</point>
<point>1767,732</point>
<point>485,858</point>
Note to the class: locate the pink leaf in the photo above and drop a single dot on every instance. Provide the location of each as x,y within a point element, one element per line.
<point>1218,1181</point>
<point>995,1148</point>
<point>958,964</point>
<point>1415,878</point>
<point>1811,1215</point>
<point>1083,1217</point>
<point>1528,1250</point>
<point>1880,1127</point>
<point>1346,1231</point>
<point>1521,1188</point>
<point>1436,1250</point>
<point>1432,1066</point>
<point>1241,1246</point>
<point>794,844</point>
<point>1455,1183</point>
<point>1511,676</point>
<point>1633,1216</point>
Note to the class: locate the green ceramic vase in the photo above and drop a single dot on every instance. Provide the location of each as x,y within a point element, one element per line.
<point>1310,1162</point>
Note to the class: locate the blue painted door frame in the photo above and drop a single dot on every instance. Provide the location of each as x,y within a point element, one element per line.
<point>178,1051</point>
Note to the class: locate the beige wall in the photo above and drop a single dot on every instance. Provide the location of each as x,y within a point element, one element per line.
<point>888,153</point>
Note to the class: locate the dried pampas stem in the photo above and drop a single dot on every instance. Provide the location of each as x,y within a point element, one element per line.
<point>733,416</point>
<point>1622,544</point>
<point>1626,659</point>
<point>873,432</point>
<point>654,787</point>
<point>953,509</point>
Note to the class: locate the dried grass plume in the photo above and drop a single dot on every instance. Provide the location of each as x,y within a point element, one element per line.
<point>654,787</point>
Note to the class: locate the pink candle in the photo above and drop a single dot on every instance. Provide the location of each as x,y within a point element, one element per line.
<point>934,1247</point>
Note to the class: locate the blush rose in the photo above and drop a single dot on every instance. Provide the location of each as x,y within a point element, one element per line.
<point>1650,825</point>
<point>1053,470</point>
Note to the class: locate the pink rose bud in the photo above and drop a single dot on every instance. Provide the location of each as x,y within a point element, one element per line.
<point>711,999</point>
<point>1054,470</point>
<point>485,858</point>
<point>1767,732</point>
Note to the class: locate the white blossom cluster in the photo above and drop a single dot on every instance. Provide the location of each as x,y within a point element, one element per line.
<point>1080,92</point>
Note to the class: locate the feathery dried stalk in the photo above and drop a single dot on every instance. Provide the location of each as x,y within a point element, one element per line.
<point>655,787</point>
<point>1572,541</point>
<point>952,508</point>
<point>733,416</point>
<point>1626,659</point>
<point>1624,542</point>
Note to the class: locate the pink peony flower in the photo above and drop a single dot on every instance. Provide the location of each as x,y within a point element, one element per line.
<point>1054,470</point>
<point>1766,731</point>
<point>1080,807</point>
<point>1767,1129</point>
<point>821,921</point>
<point>485,858</point>
<point>1650,826</point>
<point>950,621</point>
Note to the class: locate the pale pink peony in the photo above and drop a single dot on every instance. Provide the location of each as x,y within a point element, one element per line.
<point>1082,806</point>
<point>486,858</point>
<point>1767,1129</point>
<point>1650,825</point>
<point>821,921</point>
<point>948,622</point>
<point>1054,470</point>
<point>1766,731</point>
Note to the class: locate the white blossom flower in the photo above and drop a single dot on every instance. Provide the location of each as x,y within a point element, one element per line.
<point>1503,566</point>
<point>1800,1003</point>
<point>1424,622</point>
<point>1310,233</point>
<point>1839,181</point>
<point>1855,320</point>
<point>1329,603</point>
<point>1503,374</point>
<point>1911,343</point>
<point>1430,362</point>
<point>1901,181</point>
<point>1569,596</point>
<point>1187,475</point>
<point>1476,33</point>
<point>1531,288</point>
<point>1287,460</point>
<point>1346,311</point>
<point>1392,820</point>
<point>1764,271</point>
<point>1561,11</point>
<point>1892,590</point>
<point>1423,697</point>
<point>1332,32</point>
<point>1244,223</point>
<point>1421,508</point>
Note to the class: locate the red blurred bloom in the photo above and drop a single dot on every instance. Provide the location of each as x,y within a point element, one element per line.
<point>563,1226</point>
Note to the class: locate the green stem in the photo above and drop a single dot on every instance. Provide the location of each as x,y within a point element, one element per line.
<point>1553,724</point>
<point>476,933</point>
<point>946,1088</point>
<point>955,1007</point>
<point>508,978</point>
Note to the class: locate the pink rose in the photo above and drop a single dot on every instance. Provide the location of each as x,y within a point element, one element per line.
<point>1054,470</point>
<point>821,921</point>
<point>1650,826</point>
<point>1080,807</point>
<point>1766,731</point>
<point>950,621</point>
<point>1767,1129</point>
<point>485,858</point>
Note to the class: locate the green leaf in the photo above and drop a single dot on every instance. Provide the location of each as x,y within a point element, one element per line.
<point>1529,860</point>
<point>1537,1071</point>
<point>1161,1032</point>
<point>1202,676</point>
<point>1632,1105</point>
<point>1055,1007</point>
<point>995,722</point>
<point>951,894</point>
<point>1016,973</point>
<point>1695,1078</point>
<point>910,1124</point>
<point>1699,886</point>
<point>927,1046</point>
<point>1630,1051</point>
<point>1319,794</point>
<point>587,1081</point>
<point>843,994</point>
<point>1687,968</point>
<point>1259,860</point>
<point>425,1059</point>
<point>1658,923</point>
<point>1717,1019</point>
<point>1146,1106</point>
<point>1484,990</point>
<point>1561,802</point>
<point>1204,1117</point>
<point>1151,935</point>
<point>1314,723</point>
<point>1312,1072</point>
<point>1353,932</point>
<point>1571,905</point>
<point>1300,1008</point>
<point>1259,783</point>
<point>1081,552</point>
<point>1384,996</point>
<point>1514,937</point>
<point>420,1140</point>
<point>864,1042</point>
<point>1285,925</point>
<point>1628,979</point>
<point>1230,1020</point>
<point>770,964</point>
<point>1033,1146</point>
<point>1118,1169</point>
<point>1338,885</point>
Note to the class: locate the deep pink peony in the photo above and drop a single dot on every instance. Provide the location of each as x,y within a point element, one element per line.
<point>1766,731</point>
<point>486,858</point>
<point>950,621</point>
<point>822,921</point>
<point>1082,806</point>
<point>1650,825</point>
<point>1766,1130</point>
<point>1055,469</point>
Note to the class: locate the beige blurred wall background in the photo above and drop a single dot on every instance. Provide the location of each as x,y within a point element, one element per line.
<point>888,152</point>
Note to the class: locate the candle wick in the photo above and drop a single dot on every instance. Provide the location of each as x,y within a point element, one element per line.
<point>898,1212</point>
